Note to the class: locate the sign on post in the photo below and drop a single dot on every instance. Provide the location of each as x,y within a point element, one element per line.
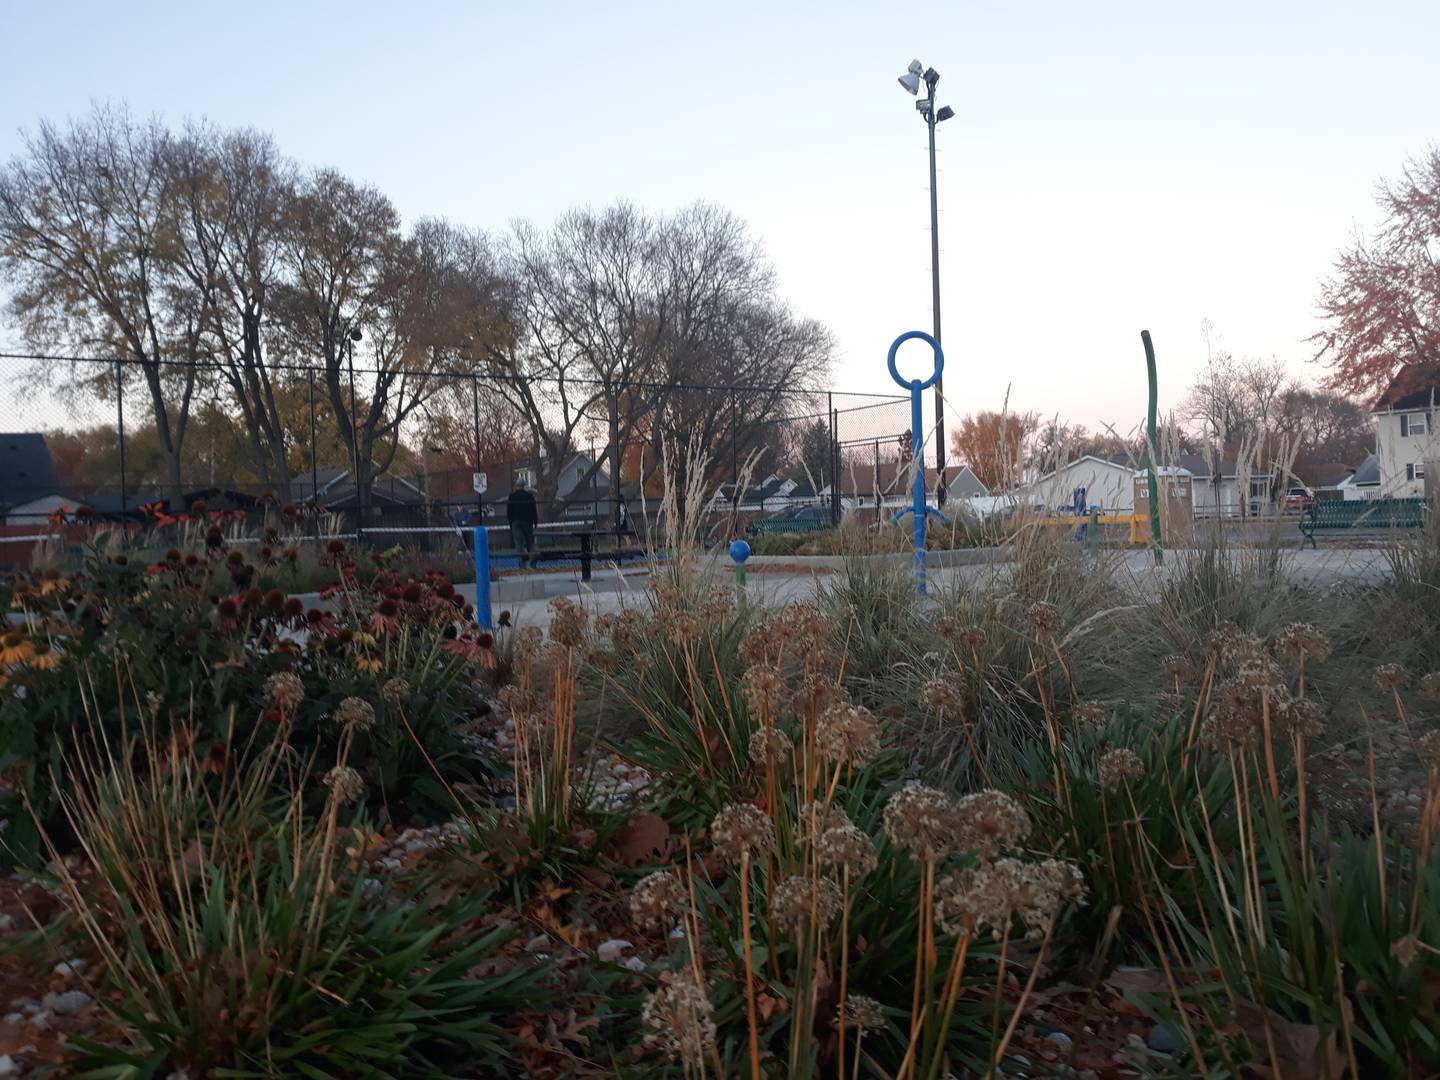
<point>481,482</point>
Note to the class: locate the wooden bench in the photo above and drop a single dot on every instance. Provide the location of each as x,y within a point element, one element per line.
<point>1330,514</point>
<point>778,526</point>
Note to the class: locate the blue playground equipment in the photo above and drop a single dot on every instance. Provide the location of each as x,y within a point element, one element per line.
<point>917,441</point>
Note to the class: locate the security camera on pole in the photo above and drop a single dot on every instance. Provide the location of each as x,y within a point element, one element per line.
<point>911,80</point>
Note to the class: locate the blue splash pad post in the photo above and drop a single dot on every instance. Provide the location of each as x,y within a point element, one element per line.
<point>482,578</point>
<point>917,441</point>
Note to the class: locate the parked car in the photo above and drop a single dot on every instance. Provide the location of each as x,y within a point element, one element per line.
<point>1296,500</point>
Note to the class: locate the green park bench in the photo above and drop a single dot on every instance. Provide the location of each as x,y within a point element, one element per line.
<point>1362,514</point>
<point>777,526</point>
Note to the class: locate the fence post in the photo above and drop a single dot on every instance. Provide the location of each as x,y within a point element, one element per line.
<point>834,460</point>
<point>475,406</point>
<point>314,459</point>
<point>734,459</point>
<point>120,434</point>
<point>482,577</point>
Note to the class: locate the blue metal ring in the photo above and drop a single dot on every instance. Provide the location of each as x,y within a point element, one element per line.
<point>916,384</point>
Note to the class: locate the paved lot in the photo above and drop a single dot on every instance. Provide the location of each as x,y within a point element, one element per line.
<point>1321,569</point>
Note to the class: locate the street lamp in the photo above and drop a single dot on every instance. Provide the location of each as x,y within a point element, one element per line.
<point>916,74</point>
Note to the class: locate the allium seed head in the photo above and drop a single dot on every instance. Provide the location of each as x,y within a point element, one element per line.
<point>1042,619</point>
<point>765,691</point>
<point>796,898</point>
<point>1303,639</point>
<point>847,733</point>
<point>1118,768</point>
<point>861,1012</point>
<point>396,691</point>
<point>989,822</point>
<point>658,900</point>
<point>741,829</point>
<point>847,848</point>
<point>767,745</point>
<point>284,690</point>
<point>1391,677</point>
<point>345,784</point>
<point>679,1019</point>
<point>355,714</point>
<point>921,820</point>
<point>944,696</point>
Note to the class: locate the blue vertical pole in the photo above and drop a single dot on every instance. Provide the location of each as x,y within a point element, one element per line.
<point>917,456</point>
<point>482,578</point>
<point>917,440</point>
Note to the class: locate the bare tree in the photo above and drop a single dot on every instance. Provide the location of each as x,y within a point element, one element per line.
<point>233,191</point>
<point>88,225</point>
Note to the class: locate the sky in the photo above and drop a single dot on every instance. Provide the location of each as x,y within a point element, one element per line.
<point>1111,166</point>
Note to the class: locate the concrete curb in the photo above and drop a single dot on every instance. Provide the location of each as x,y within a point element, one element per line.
<point>900,559</point>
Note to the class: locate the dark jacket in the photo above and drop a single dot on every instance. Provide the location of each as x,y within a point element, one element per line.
<point>520,508</point>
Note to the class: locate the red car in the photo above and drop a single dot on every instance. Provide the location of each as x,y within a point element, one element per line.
<point>1296,501</point>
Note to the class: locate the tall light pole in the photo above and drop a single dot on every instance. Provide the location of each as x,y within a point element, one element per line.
<point>911,80</point>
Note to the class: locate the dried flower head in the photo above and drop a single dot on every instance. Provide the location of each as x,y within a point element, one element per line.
<point>767,745</point>
<point>989,822</point>
<point>1391,677</point>
<point>797,899</point>
<point>815,695</point>
<point>606,661</point>
<point>817,818</point>
<point>861,1012</point>
<point>1042,619</point>
<point>805,629</point>
<point>921,820</point>
<point>1430,686</point>
<point>285,691</point>
<point>345,784</point>
<point>1237,710</point>
<point>355,714</point>
<point>679,1020</point>
<point>944,696</point>
<point>627,630</point>
<point>1299,716</point>
<point>740,830</point>
<point>396,691</point>
<point>1118,768</point>
<point>847,733</point>
<point>847,847</point>
<point>719,604</point>
<point>679,625</point>
<point>1177,666</point>
<point>567,623</point>
<point>995,894</point>
<point>1303,640</point>
<point>522,704</point>
<point>765,691</point>
<point>528,640</point>
<point>1091,714</point>
<point>1406,949</point>
<point>758,643</point>
<point>658,900</point>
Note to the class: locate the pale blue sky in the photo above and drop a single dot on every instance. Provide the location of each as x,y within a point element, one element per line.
<point>1111,167</point>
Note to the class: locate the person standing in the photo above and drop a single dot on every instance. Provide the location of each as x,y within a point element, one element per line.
<point>523,515</point>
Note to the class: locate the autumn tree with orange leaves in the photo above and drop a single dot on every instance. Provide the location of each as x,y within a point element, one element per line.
<point>991,443</point>
<point>1382,303</point>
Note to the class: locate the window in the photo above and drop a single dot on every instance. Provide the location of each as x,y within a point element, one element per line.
<point>1413,425</point>
<point>1415,472</point>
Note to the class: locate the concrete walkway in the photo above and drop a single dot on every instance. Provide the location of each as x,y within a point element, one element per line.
<point>609,591</point>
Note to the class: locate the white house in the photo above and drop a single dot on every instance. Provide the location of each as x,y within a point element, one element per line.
<point>1405,439</point>
<point>1094,481</point>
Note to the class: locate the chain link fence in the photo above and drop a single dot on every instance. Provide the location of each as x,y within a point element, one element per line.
<point>417,457</point>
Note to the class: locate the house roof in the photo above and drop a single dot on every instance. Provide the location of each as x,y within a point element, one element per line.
<point>894,476</point>
<point>1328,474</point>
<point>1414,386</point>
<point>1368,474</point>
<point>966,482</point>
<point>27,470</point>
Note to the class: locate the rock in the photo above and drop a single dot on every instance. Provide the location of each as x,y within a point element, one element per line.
<point>1162,1040</point>
<point>70,967</point>
<point>71,1001</point>
<point>539,943</point>
<point>635,964</point>
<point>612,950</point>
<point>1060,1039</point>
<point>8,1066</point>
<point>7,922</point>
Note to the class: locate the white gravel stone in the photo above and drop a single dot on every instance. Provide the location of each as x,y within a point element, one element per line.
<point>63,1004</point>
<point>612,950</point>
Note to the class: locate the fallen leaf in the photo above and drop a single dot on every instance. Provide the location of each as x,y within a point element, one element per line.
<point>645,838</point>
<point>1292,1051</point>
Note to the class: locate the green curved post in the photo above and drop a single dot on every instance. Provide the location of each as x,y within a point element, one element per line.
<point>1154,487</point>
